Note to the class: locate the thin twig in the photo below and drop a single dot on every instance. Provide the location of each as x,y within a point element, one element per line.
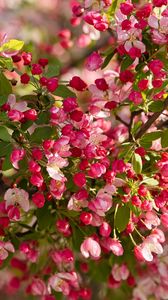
<point>150,121</point>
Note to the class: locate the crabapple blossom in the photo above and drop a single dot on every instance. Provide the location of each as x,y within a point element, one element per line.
<point>90,247</point>
<point>17,196</point>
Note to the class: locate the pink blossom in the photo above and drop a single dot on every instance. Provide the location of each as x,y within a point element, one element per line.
<point>164,220</point>
<point>151,219</point>
<point>120,272</point>
<point>5,247</point>
<point>59,284</point>
<point>96,170</point>
<point>93,62</point>
<point>54,164</point>
<point>131,37</point>
<point>57,188</point>
<point>38,287</point>
<point>115,246</point>
<point>16,156</point>
<point>101,204</point>
<point>150,245</point>
<point>90,247</point>
<point>78,200</point>
<point>159,29</point>
<point>17,196</point>
<point>20,106</point>
<point>61,146</point>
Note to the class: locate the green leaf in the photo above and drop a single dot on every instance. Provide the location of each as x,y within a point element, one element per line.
<point>164,138</point>
<point>12,45</point>
<point>5,88</point>
<point>156,106</point>
<point>113,7</point>
<point>77,237</point>
<point>150,181</point>
<point>41,133</point>
<point>127,61</point>
<point>43,118</point>
<point>64,92</point>
<point>107,59</point>
<point>53,68</point>
<point>4,134</point>
<point>6,63</point>
<point>122,218</point>
<point>137,163</point>
<point>44,217</point>
<point>6,165</point>
<point>148,138</point>
<point>5,148</point>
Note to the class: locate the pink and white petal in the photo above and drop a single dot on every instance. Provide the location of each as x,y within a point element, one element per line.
<point>139,45</point>
<point>11,100</point>
<point>153,22</point>
<point>21,106</point>
<point>3,254</point>
<point>9,197</point>
<point>83,250</point>
<point>8,246</point>
<point>128,45</point>
<point>146,253</point>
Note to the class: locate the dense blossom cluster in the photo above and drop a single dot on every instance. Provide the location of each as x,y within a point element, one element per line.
<point>85,186</point>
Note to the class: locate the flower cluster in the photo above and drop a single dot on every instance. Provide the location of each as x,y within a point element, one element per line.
<point>85,184</point>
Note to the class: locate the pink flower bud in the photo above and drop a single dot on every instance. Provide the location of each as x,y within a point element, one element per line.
<point>30,114</point>
<point>159,3</point>
<point>27,58</point>
<point>16,156</point>
<point>25,78</point>
<point>101,84</point>
<point>143,84</point>
<point>126,8</point>
<point>77,83</point>
<point>38,199</point>
<point>164,220</point>
<point>43,62</point>
<point>34,167</point>
<point>93,62</point>
<point>15,115</point>
<point>86,218</point>
<point>105,229</point>
<point>37,154</point>
<point>69,104</point>
<point>79,179</point>
<point>64,227</point>
<point>76,115</point>
<point>52,84</point>
<point>36,179</point>
<point>126,76</point>
<point>36,69</point>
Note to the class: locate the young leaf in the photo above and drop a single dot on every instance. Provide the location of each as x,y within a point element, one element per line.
<point>150,181</point>
<point>137,163</point>
<point>127,61</point>
<point>41,133</point>
<point>5,148</point>
<point>146,140</point>
<point>156,106</point>
<point>64,92</point>
<point>5,88</point>
<point>6,63</point>
<point>164,138</point>
<point>12,45</point>
<point>107,59</point>
<point>4,134</point>
<point>122,218</point>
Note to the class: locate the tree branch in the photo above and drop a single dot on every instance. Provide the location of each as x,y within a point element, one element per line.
<point>150,121</point>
